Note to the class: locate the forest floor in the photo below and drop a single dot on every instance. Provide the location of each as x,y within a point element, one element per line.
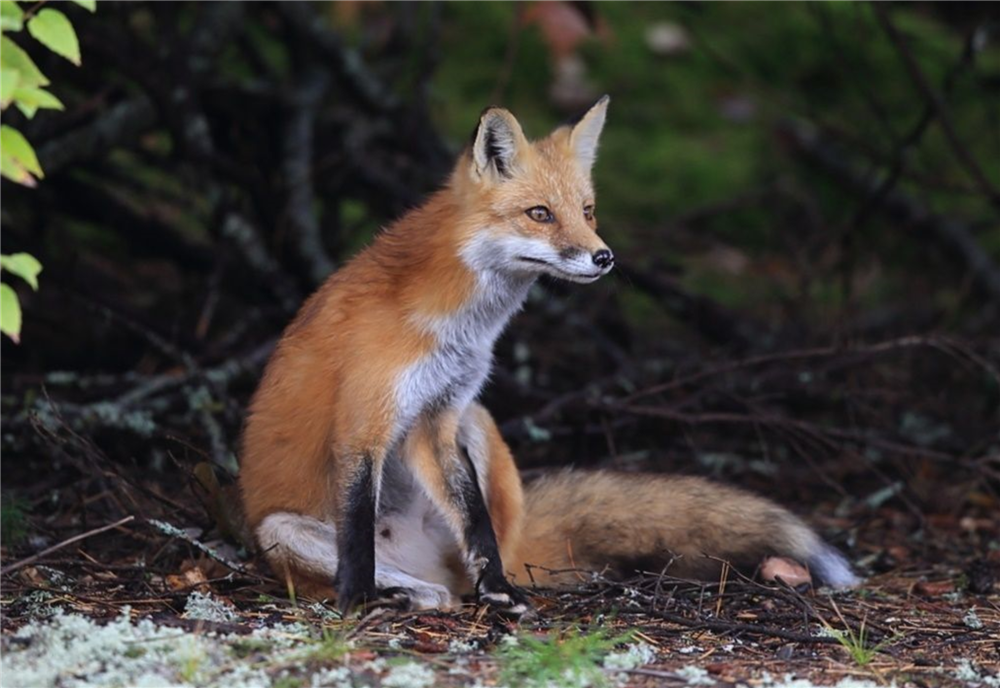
<point>150,605</point>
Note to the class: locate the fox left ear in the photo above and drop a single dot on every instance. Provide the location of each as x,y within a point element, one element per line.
<point>497,144</point>
<point>586,132</point>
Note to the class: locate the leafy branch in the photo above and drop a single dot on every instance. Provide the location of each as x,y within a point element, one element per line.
<point>22,85</point>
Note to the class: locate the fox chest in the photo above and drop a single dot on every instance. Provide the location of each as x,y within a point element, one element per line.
<point>453,372</point>
<point>451,376</point>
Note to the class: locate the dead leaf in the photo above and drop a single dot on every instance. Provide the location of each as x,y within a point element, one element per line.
<point>193,578</point>
<point>934,588</point>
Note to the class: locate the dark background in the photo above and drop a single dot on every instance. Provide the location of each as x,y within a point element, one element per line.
<point>803,200</point>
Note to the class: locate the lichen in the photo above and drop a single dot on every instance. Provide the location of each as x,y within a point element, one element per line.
<point>633,657</point>
<point>695,676</point>
<point>72,651</point>
<point>972,620</point>
<point>207,607</point>
<point>409,675</point>
<point>461,646</point>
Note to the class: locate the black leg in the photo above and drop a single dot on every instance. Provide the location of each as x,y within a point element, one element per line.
<point>492,585</point>
<point>356,541</point>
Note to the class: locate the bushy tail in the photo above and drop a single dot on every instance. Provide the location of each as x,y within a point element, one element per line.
<point>620,523</point>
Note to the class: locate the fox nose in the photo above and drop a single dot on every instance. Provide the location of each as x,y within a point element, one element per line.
<point>604,259</point>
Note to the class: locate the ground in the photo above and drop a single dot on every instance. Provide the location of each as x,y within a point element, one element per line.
<point>94,613</point>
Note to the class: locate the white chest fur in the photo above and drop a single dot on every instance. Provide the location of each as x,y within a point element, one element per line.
<point>453,373</point>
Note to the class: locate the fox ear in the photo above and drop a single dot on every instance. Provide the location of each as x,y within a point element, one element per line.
<point>585,133</point>
<point>497,144</point>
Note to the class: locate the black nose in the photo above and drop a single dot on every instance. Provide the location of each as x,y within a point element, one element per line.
<point>604,259</point>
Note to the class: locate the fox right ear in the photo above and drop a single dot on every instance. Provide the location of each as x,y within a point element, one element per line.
<point>497,144</point>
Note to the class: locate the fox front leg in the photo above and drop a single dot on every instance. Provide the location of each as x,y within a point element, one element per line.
<point>355,581</point>
<point>448,476</point>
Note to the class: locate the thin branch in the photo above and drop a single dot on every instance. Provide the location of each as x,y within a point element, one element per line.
<point>297,148</point>
<point>922,83</point>
<point>54,548</point>
<point>345,61</point>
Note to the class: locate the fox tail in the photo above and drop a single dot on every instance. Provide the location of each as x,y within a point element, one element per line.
<point>622,523</point>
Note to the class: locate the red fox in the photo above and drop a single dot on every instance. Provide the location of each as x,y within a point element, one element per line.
<point>373,381</point>
<point>366,461</point>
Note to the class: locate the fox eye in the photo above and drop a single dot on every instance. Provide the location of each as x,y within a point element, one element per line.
<point>540,214</point>
<point>588,212</point>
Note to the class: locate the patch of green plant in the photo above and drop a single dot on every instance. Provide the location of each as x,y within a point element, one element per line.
<point>13,519</point>
<point>564,658</point>
<point>858,644</point>
<point>288,682</point>
<point>189,668</point>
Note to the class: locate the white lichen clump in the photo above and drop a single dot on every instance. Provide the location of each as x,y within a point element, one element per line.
<point>789,681</point>
<point>633,657</point>
<point>72,651</point>
<point>695,676</point>
<point>966,671</point>
<point>460,646</point>
<point>206,607</point>
<point>338,677</point>
<point>409,675</point>
<point>972,620</point>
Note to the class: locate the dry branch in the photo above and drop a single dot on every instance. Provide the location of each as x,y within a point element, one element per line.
<point>922,83</point>
<point>69,541</point>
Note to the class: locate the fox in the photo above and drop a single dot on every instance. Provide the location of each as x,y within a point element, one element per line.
<point>558,530</point>
<point>368,468</point>
<point>373,382</point>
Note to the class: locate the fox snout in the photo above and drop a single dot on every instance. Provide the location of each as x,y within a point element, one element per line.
<point>583,265</point>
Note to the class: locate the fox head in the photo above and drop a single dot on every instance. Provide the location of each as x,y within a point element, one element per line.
<point>532,202</point>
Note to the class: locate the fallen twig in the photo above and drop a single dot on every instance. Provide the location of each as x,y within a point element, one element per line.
<point>76,538</point>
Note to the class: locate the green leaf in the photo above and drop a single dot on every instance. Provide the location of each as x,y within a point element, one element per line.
<point>10,313</point>
<point>24,265</point>
<point>53,30</point>
<point>89,5</point>
<point>9,80</point>
<point>9,169</point>
<point>28,100</point>
<point>11,16</point>
<point>13,57</point>
<point>18,154</point>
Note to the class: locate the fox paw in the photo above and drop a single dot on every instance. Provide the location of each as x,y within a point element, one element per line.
<point>509,601</point>
<point>421,597</point>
